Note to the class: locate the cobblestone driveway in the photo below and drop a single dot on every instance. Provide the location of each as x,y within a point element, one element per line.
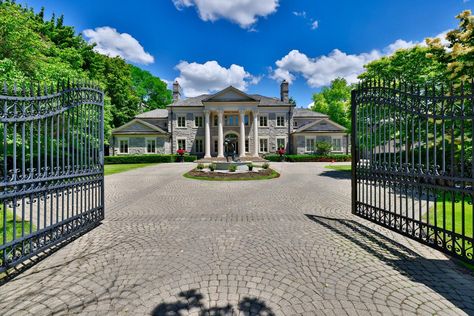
<point>288,246</point>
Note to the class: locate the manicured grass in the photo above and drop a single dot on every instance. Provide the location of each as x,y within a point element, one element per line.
<point>457,217</point>
<point>233,177</point>
<point>117,168</point>
<point>339,167</point>
<point>10,225</point>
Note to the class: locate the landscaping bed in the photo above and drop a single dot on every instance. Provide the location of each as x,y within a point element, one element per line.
<point>149,158</point>
<point>263,174</point>
<point>309,158</point>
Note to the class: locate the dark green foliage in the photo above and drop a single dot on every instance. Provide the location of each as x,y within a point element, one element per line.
<point>322,148</point>
<point>35,50</point>
<point>335,101</point>
<point>232,168</point>
<point>133,159</point>
<point>266,165</point>
<point>309,158</point>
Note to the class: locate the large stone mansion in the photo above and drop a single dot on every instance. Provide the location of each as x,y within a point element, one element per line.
<point>200,125</point>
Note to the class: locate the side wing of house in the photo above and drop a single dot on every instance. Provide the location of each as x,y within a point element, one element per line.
<point>140,136</point>
<point>319,130</point>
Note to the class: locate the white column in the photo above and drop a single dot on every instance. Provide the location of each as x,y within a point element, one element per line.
<point>255,133</point>
<point>208,135</point>
<point>242,133</point>
<point>220,143</point>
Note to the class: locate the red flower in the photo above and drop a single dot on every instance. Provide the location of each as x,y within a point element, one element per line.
<point>281,151</point>
<point>181,151</point>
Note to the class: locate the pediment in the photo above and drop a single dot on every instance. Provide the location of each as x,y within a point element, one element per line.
<point>138,126</point>
<point>230,94</point>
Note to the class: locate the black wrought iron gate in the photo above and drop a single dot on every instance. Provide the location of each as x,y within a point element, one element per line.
<point>52,184</point>
<point>412,166</point>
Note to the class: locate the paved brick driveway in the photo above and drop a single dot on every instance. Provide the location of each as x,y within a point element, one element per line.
<point>288,246</point>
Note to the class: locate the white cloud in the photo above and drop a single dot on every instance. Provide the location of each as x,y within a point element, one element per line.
<point>112,43</point>
<point>302,13</point>
<point>314,25</point>
<point>320,71</point>
<point>243,12</point>
<point>197,79</point>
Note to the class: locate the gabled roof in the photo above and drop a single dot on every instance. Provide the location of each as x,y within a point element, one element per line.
<point>301,112</point>
<point>152,128</point>
<point>157,113</point>
<point>337,127</point>
<point>230,94</point>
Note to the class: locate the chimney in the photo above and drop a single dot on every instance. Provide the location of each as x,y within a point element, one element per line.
<point>284,88</point>
<point>176,91</point>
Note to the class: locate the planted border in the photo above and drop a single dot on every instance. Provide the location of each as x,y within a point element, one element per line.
<point>265,174</point>
<point>153,158</point>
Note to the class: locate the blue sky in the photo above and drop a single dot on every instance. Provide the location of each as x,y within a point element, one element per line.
<point>253,45</point>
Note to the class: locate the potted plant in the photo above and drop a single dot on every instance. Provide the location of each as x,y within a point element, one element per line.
<point>266,165</point>
<point>250,166</point>
<point>212,166</point>
<point>181,153</point>
<point>281,151</point>
<point>200,167</point>
<point>232,168</point>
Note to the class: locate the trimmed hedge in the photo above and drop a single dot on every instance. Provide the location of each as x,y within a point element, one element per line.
<point>127,159</point>
<point>309,158</point>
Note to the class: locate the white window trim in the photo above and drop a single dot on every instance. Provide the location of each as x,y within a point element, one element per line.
<point>177,121</point>
<point>268,145</point>
<point>284,120</point>
<point>195,147</point>
<point>280,137</point>
<point>202,121</point>
<point>146,145</point>
<point>120,147</point>
<point>342,147</point>
<point>185,143</point>
<point>305,144</point>
<point>259,117</point>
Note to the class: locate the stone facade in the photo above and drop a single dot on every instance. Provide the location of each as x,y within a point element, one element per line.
<point>265,121</point>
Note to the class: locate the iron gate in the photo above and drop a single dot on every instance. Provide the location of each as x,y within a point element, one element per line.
<point>52,183</point>
<point>412,166</point>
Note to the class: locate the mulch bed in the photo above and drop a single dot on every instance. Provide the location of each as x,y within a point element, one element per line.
<point>234,176</point>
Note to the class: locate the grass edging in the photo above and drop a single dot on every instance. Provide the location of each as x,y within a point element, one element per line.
<point>119,168</point>
<point>273,175</point>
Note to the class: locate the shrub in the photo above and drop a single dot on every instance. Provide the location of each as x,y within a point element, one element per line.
<point>129,159</point>
<point>200,166</point>
<point>232,168</point>
<point>212,166</point>
<point>250,166</point>
<point>266,165</point>
<point>310,158</point>
<point>323,148</point>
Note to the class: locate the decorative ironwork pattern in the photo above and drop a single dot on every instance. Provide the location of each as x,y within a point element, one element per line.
<point>51,180</point>
<point>412,166</point>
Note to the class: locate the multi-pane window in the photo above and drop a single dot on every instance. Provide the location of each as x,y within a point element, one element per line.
<point>263,145</point>
<point>216,120</point>
<point>198,121</point>
<point>231,120</point>
<point>336,144</point>
<point>281,142</point>
<point>280,120</point>
<point>199,146</point>
<point>247,146</point>
<point>182,143</point>
<point>263,121</point>
<point>310,142</point>
<point>150,146</point>
<point>123,146</point>
<point>181,121</point>
<point>246,120</point>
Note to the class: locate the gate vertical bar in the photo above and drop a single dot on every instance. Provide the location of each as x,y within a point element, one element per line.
<point>354,156</point>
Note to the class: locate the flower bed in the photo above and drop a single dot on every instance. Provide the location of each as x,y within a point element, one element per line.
<point>126,159</point>
<point>310,158</point>
<point>263,174</point>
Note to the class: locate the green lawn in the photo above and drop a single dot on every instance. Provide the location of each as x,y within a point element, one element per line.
<point>339,167</point>
<point>112,169</point>
<point>10,226</point>
<point>457,217</point>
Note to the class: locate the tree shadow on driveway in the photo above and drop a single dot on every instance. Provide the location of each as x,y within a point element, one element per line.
<point>336,174</point>
<point>193,299</point>
<point>454,283</point>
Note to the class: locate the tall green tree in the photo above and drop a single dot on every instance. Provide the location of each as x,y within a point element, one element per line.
<point>151,90</point>
<point>335,102</point>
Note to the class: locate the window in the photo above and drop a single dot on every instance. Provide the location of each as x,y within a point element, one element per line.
<point>263,145</point>
<point>336,144</point>
<point>263,121</point>
<point>246,120</point>
<point>247,146</point>
<point>215,146</point>
<point>281,142</point>
<point>280,120</point>
<point>181,121</point>
<point>231,120</point>
<point>199,146</point>
<point>182,143</point>
<point>216,120</point>
<point>198,121</point>
<point>150,146</point>
<point>310,142</point>
<point>295,123</point>
<point>124,146</point>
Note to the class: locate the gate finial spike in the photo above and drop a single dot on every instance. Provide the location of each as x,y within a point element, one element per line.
<point>32,89</point>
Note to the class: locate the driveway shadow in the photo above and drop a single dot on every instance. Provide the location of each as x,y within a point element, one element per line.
<point>456,284</point>
<point>192,299</point>
<point>336,174</point>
